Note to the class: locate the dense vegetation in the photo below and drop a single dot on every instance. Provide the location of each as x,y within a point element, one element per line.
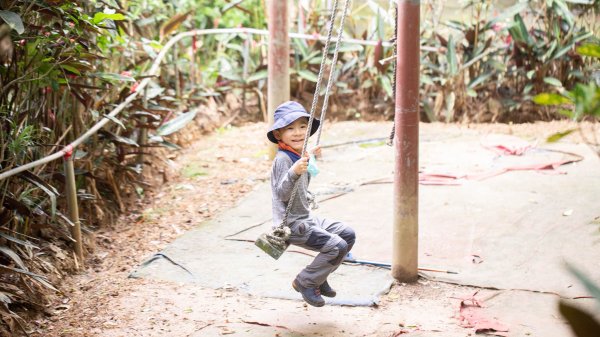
<point>65,64</point>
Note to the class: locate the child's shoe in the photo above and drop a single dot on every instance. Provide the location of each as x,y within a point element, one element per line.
<point>326,290</point>
<point>312,296</point>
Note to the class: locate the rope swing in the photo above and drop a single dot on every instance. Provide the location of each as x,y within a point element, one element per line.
<point>275,242</point>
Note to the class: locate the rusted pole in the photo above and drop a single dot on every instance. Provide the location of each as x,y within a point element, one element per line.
<point>71,191</point>
<point>406,177</point>
<point>278,59</point>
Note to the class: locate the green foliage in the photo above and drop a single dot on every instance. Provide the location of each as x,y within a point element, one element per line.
<point>589,49</point>
<point>13,20</point>
<point>583,99</point>
<point>491,66</point>
<point>176,124</point>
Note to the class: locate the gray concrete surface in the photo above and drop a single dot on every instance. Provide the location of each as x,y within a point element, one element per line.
<point>512,232</point>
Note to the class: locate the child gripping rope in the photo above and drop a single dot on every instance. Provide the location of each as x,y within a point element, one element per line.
<point>332,239</point>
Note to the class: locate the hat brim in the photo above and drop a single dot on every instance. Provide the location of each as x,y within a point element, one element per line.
<point>290,118</point>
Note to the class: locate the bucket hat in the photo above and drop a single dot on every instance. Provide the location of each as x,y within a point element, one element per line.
<point>286,114</point>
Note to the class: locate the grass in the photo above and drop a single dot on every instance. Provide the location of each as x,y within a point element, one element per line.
<point>193,170</point>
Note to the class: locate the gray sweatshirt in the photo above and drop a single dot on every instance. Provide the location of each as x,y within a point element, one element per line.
<point>283,179</point>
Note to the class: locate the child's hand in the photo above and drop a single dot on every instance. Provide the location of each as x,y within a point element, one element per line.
<point>316,151</point>
<point>301,165</point>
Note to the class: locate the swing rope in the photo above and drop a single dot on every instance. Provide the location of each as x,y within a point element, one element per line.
<point>331,70</point>
<point>281,234</point>
<point>316,94</point>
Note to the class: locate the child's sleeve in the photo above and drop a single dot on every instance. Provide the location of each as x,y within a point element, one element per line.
<point>283,178</point>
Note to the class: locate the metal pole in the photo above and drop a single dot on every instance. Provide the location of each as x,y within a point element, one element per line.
<point>73,209</point>
<point>278,59</point>
<point>406,177</point>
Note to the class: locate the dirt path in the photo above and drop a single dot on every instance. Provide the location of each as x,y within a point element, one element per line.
<point>103,301</point>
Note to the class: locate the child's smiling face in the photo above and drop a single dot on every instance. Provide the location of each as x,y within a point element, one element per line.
<point>293,134</point>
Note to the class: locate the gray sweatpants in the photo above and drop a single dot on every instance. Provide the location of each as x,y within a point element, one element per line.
<point>332,239</point>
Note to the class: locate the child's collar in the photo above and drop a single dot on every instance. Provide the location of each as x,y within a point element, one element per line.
<point>285,147</point>
<point>291,153</point>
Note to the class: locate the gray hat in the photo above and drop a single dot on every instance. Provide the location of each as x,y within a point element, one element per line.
<point>286,114</point>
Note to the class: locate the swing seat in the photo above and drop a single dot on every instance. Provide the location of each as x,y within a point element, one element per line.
<point>273,251</point>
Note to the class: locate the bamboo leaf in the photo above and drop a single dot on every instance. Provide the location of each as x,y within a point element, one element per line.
<point>558,136</point>
<point>116,121</point>
<point>565,112</point>
<point>232,76</point>
<point>118,139</point>
<point>386,84</point>
<point>259,75</point>
<point>302,46</point>
<point>426,80</point>
<point>13,20</point>
<point>5,297</point>
<point>11,253</point>
<point>153,92</point>
<point>47,188</point>
<point>518,31</point>
<point>563,9</point>
<point>507,13</point>
<point>170,145</point>
<point>550,99</point>
<point>307,75</point>
<point>451,57</point>
<point>113,77</point>
<point>173,24</point>
<point>18,241</point>
<point>589,49</point>
<point>99,17</point>
<point>70,69</point>
<point>176,123</point>
<point>553,81</point>
<point>44,282</point>
<point>41,279</point>
<point>480,79</point>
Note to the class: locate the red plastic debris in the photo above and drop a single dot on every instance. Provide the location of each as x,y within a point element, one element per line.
<point>506,144</point>
<point>68,151</point>
<point>471,316</point>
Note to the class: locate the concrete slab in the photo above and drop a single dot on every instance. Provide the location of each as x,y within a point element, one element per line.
<point>216,262</point>
<point>511,231</point>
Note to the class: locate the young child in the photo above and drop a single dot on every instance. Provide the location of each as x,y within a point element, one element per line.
<point>332,239</point>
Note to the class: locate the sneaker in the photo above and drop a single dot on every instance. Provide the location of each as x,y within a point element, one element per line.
<point>326,290</point>
<point>312,296</point>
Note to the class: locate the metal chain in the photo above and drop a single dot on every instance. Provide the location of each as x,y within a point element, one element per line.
<point>395,44</point>
<point>315,101</point>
